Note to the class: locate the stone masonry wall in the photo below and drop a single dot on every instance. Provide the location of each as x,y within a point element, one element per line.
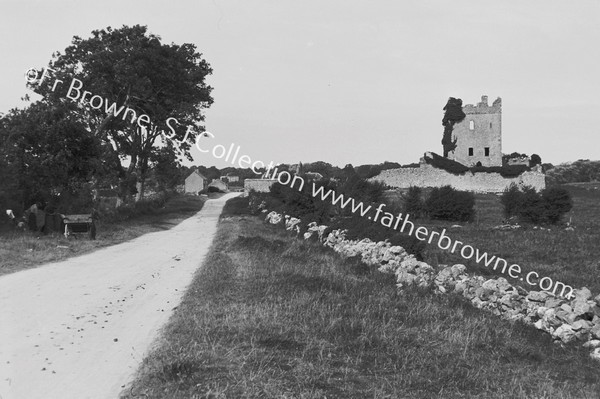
<point>428,176</point>
<point>258,185</point>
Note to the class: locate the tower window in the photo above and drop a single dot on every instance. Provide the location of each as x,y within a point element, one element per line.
<point>487,151</point>
<point>470,151</point>
<point>471,125</point>
<point>490,125</point>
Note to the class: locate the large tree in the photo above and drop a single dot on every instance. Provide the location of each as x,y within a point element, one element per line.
<point>46,153</point>
<point>134,69</point>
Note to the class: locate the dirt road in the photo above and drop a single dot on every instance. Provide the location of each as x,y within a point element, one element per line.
<point>79,328</point>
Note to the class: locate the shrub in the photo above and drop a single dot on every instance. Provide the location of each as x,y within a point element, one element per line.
<point>530,206</point>
<point>237,206</point>
<point>213,189</point>
<point>557,202</point>
<point>535,159</point>
<point>447,164</point>
<point>360,189</point>
<point>413,202</point>
<point>459,169</point>
<point>505,171</point>
<point>511,200</point>
<point>446,203</point>
<point>301,204</point>
<point>145,206</point>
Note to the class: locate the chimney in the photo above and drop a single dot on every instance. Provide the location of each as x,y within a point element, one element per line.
<point>484,100</point>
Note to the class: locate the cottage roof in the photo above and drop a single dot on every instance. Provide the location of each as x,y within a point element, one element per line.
<point>198,173</point>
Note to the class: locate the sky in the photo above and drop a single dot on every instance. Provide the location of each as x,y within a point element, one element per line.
<point>350,81</point>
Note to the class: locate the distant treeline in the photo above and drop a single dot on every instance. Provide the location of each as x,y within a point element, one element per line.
<point>581,171</point>
<point>363,171</point>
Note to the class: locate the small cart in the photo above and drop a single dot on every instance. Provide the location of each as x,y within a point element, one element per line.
<point>80,224</point>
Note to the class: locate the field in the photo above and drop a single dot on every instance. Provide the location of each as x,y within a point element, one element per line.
<point>572,257</point>
<point>23,250</point>
<point>272,316</point>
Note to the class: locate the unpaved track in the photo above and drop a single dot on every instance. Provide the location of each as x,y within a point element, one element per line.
<point>80,328</point>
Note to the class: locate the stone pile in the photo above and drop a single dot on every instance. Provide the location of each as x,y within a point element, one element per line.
<point>312,229</point>
<point>577,319</point>
<point>292,224</point>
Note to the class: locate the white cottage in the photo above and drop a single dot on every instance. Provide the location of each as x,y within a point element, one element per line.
<point>195,182</point>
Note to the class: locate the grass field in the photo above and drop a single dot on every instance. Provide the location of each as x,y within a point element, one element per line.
<point>272,316</point>
<point>24,250</point>
<point>572,257</point>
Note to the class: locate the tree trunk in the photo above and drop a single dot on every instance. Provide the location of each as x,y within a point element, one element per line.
<point>139,185</point>
<point>140,175</point>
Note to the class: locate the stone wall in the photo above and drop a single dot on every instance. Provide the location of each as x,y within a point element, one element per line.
<point>566,320</point>
<point>258,185</point>
<point>428,176</point>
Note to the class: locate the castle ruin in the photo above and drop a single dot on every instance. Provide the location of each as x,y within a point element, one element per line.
<point>472,139</point>
<point>478,136</point>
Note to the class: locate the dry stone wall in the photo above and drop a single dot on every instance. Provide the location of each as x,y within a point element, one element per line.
<point>428,176</point>
<point>577,319</point>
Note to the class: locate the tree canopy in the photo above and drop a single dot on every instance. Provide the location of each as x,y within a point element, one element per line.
<point>46,152</point>
<point>130,68</point>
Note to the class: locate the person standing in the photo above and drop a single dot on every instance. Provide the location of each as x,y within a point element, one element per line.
<point>40,218</point>
<point>31,217</point>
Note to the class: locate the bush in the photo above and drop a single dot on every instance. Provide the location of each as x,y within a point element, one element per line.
<point>301,204</point>
<point>237,206</point>
<point>511,200</point>
<point>446,203</point>
<point>145,206</point>
<point>535,160</point>
<point>557,201</point>
<point>413,202</point>
<point>530,206</point>
<point>459,169</point>
<point>505,171</point>
<point>213,189</point>
<point>448,165</point>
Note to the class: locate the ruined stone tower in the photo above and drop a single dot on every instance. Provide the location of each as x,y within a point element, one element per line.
<point>479,135</point>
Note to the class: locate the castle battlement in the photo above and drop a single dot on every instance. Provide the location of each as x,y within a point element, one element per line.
<point>482,107</point>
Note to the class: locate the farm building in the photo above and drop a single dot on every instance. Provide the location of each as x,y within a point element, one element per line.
<point>195,182</point>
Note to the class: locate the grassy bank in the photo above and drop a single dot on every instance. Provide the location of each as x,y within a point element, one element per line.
<point>270,316</point>
<point>24,250</point>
